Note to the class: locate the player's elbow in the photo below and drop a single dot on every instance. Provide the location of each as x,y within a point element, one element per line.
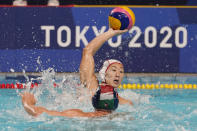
<point>87,51</point>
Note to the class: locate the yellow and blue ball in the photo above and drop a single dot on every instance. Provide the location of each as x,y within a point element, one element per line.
<point>121,18</point>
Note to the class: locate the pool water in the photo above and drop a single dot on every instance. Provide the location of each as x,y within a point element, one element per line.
<point>153,110</point>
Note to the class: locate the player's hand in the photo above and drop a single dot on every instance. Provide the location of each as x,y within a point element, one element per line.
<point>117,32</point>
<point>28,98</point>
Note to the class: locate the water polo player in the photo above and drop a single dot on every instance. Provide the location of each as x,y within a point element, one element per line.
<point>105,98</point>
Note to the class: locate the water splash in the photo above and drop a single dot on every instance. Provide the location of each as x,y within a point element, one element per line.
<point>67,94</point>
<point>151,111</point>
<point>136,98</point>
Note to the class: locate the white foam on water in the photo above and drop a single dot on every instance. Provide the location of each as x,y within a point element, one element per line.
<point>179,127</point>
<point>68,94</point>
<point>135,97</point>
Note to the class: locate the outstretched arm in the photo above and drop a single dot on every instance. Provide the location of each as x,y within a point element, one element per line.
<point>87,75</point>
<point>29,102</point>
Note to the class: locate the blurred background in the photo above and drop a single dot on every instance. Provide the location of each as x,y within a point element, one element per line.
<point>162,41</point>
<point>99,2</point>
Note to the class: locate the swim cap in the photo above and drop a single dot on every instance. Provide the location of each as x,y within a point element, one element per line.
<point>105,66</point>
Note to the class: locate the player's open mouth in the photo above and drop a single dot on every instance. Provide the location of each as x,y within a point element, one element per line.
<point>116,81</point>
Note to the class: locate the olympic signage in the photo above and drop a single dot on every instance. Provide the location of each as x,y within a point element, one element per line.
<point>35,38</point>
<point>180,40</point>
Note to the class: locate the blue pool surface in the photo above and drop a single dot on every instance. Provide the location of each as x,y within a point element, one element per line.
<point>153,110</point>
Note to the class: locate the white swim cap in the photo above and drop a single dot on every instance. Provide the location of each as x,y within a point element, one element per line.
<point>105,66</point>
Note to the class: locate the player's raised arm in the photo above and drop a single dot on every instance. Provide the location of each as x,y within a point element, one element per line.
<point>87,74</point>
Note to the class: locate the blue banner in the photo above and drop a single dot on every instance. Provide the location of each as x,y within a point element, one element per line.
<point>33,39</point>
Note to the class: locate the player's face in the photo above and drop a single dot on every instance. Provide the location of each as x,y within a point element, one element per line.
<point>114,74</point>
